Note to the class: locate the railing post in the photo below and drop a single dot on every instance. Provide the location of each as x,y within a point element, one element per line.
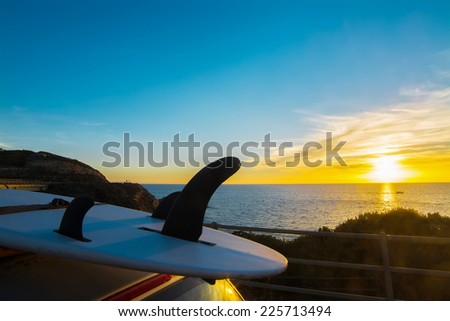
<point>387,267</point>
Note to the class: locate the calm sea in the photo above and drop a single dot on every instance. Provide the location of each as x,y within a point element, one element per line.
<point>312,206</point>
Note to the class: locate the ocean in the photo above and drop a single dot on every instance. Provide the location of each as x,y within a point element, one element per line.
<point>309,207</point>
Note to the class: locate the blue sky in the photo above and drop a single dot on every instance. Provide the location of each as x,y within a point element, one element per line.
<point>76,74</point>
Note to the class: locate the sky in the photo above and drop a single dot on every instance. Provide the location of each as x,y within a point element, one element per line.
<point>78,77</point>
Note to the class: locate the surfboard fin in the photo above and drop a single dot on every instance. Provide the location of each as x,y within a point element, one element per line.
<point>163,209</point>
<point>186,214</point>
<point>72,222</point>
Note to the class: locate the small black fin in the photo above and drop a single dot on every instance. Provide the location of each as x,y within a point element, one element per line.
<point>185,218</point>
<point>165,204</point>
<point>59,202</point>
<point>72,221</point>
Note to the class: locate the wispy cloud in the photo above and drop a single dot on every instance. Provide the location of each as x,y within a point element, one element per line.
<point>28,128</point>
<point>27,114</point>
<point>416,129</point>
<point>4,145</point>
<point>443,74</point>
<point>91,124</point>
<point>427,92</point>
<point>444,53</point>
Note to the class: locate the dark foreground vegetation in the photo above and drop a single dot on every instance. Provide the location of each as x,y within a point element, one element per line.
<point>413,254</point>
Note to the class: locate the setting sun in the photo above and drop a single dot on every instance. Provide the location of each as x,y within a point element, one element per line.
<point>387,169</point>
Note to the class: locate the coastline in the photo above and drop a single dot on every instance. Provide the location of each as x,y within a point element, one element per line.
<point>311,206</point>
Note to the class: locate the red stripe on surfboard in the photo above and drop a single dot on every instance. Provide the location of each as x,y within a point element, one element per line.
<point>139,288</point>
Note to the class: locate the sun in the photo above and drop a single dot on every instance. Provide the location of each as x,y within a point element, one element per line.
<point>387,169</point>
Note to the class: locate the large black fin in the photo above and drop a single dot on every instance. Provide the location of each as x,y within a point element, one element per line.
<point>185,218</point>
<point>72,222</point>
<point>165,204</point>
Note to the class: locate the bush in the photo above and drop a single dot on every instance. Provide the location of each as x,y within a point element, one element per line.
<point>414,254</point>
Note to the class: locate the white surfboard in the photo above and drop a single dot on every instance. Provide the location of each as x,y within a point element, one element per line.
<point>131,239</point>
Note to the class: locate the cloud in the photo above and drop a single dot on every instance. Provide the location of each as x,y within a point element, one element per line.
<point>443,74</point>
<point>444,53</point>
<point>416,129</point>
<point>4,145</point>
<point>27,114</point>
<point>91,124</point>
<point>426,92</point>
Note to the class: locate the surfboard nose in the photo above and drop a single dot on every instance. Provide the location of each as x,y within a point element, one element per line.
<point>186,214</point>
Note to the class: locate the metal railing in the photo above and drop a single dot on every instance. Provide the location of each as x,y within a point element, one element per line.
<point>385,268</point>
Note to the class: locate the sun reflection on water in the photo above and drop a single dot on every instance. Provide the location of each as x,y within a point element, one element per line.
<point>310,206</point>
<point>388,196</point>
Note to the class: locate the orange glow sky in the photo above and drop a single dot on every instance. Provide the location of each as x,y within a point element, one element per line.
<point>407,142</point>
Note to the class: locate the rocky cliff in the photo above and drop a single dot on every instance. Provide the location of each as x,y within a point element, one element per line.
<point>45,167</point>
<point>70,177</point>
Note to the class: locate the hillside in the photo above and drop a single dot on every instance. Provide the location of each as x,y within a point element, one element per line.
<point>70,177</point>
